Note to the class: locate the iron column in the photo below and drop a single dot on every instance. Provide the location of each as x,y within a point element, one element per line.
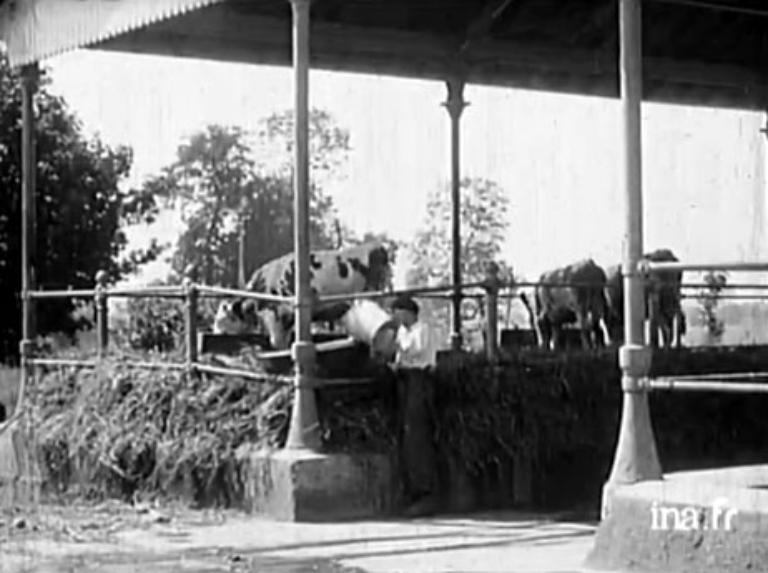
<point>636,458</point>
<point>455,106</point>
<point>304,430</point>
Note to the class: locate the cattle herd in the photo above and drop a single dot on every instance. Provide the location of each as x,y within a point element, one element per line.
<point>582,293</point>
<point>585,294</point>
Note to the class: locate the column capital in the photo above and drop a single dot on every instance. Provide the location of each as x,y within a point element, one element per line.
<point>455,103</point>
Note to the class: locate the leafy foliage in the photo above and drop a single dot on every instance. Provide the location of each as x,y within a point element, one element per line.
<point>709,300</point>
<point>230,200</point>
<point>484,223</point>
<point>80,207</point>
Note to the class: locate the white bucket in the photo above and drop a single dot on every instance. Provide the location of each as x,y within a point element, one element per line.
<point>367,322</point>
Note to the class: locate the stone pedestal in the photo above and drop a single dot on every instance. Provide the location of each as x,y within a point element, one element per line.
<point>299,485</point>
<point>644,525</point>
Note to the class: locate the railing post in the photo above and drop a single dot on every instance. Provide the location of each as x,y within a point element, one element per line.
<point>492,285</point>
<point>102,318</point>
<point>191,298</point>
<point>29,79</point>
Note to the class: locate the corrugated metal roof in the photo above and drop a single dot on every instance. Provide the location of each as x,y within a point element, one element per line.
<point>34,30</point>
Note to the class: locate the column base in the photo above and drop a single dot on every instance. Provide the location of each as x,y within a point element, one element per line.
<point>300,485</point>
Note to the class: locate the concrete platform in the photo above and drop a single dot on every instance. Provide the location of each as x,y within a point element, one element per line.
<point>698,521</point>
<point>296,485</point>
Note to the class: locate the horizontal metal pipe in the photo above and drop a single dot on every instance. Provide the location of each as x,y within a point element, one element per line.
<point>257,376</point>
<point>326,382</point>
<point>684,266</point>
<point>155,291</point>
<point>726,296</point>
<point>386,294</point>
<point>726,376</point>
<point>63,362</point>
<point>746,286</point>
<point>670,384</point>
<point>442,291</point>
<point>42,294</point>
<point>205,290</point>
<point>155,365</point>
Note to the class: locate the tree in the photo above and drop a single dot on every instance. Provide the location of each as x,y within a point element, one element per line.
<point>235,207</point>
<point>709,300</point>
<point>484,223</point>
<point>81,210</point>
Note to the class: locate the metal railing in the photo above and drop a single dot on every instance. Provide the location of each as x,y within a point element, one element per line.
<point>191,292</point>
<point>188,291</point>
<point>491,290</point>
<point>723,382</point>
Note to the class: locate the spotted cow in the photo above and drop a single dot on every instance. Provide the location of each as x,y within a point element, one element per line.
<point>362,268</point>
<point>574,293</point>
<point>662,302</point>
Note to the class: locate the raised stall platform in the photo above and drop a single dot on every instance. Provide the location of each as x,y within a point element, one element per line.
<point>694,521</point>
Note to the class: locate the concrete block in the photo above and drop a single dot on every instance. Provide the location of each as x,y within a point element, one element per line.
<point>631,537</point>
<point>297,485</point>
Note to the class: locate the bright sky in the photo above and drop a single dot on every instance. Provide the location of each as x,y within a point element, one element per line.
<point>556,156</point>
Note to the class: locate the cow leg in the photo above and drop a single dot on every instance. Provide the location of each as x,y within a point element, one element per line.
<point>681,328</point>
<point>598,334</point>
<point>544,331</point>
<point>604,336</point>
<point>558,338</point>
<point>667,332</point>
<point>585,328</point>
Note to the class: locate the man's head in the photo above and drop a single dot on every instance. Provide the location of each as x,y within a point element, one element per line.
<point>405,310</point>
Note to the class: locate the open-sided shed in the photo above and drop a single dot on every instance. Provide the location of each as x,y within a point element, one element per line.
<point>699,52</point>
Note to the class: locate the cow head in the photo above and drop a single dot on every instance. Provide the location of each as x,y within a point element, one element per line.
<point>238,317</point>
<point>246,317</point>
<point>374,262</point>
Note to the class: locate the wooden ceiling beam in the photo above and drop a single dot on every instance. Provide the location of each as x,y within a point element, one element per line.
<point>703,5</point>
<point>219,36</point>
<point>602,18</point>
<point>481,26</point>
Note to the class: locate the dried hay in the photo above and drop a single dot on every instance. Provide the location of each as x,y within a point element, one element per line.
<point>121,431</point>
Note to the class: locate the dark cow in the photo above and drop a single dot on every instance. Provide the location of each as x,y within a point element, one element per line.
<point>662,301</point>
<point>580,299</point>
<point>362,268</point>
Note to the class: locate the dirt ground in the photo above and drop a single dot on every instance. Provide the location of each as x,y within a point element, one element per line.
<point>78,536</point>
<point>120,538</point>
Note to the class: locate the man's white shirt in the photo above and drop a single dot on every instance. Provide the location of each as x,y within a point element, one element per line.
<point>414,348</point>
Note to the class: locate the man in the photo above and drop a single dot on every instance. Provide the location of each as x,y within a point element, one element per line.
<point>414,348</point>
<point>414,359</point>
